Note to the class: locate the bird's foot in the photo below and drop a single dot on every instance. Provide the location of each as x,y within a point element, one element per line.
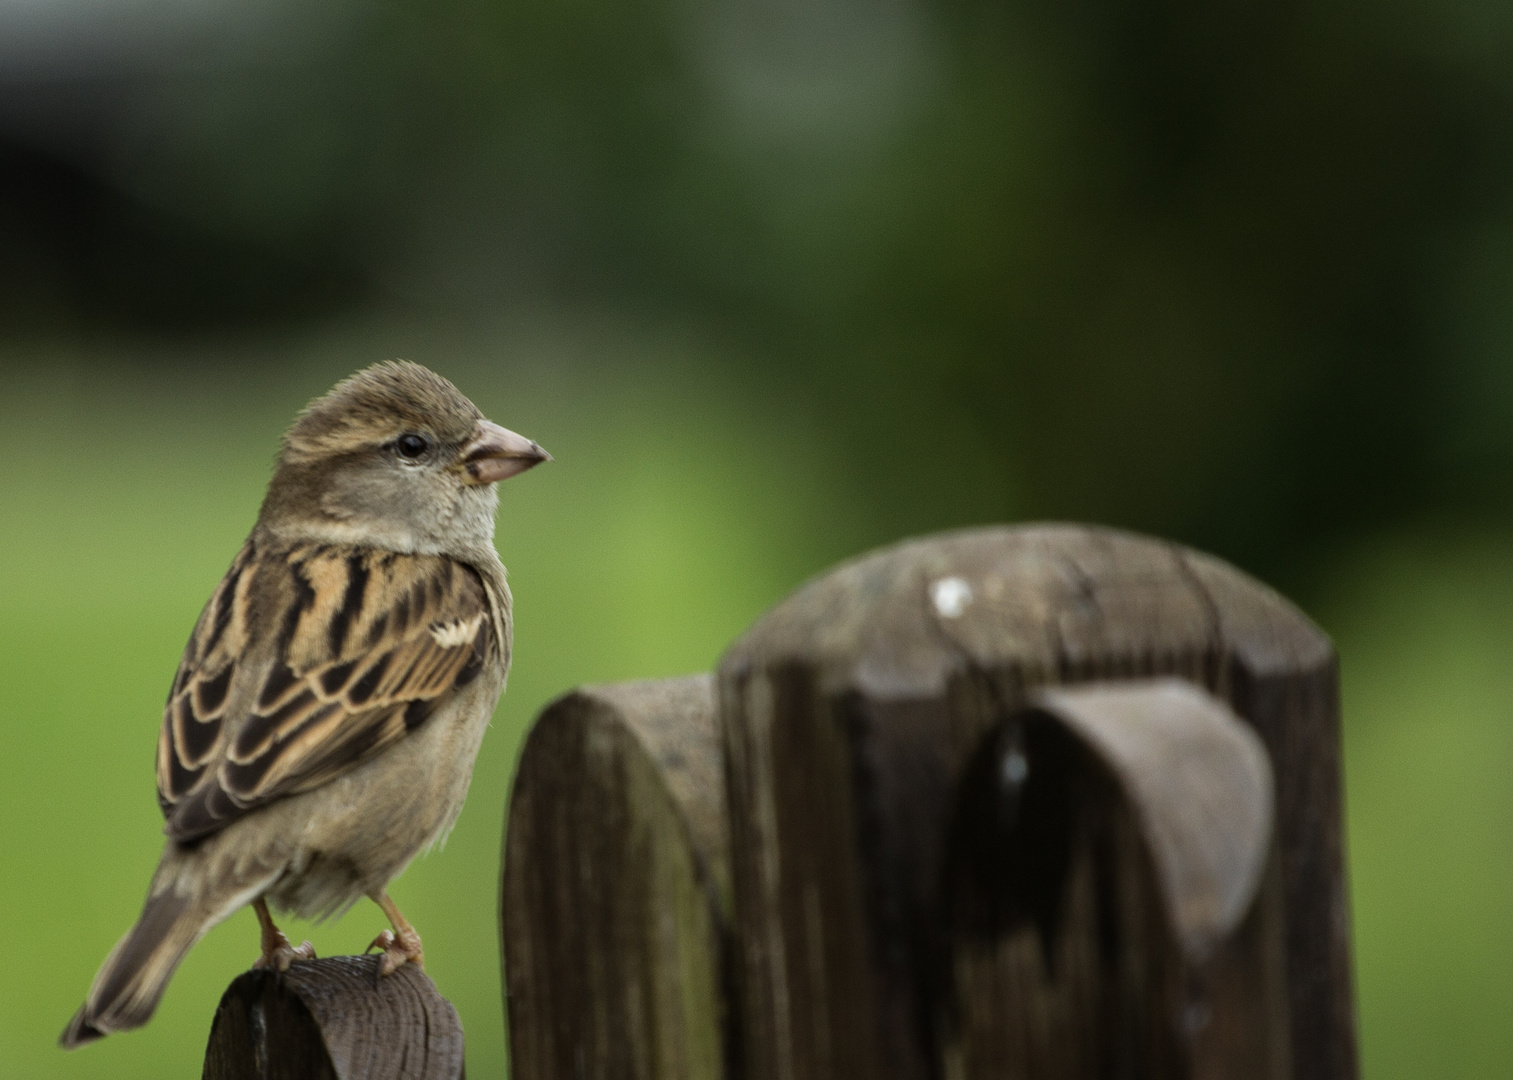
<point>398,950</point>
<point>278,954</point>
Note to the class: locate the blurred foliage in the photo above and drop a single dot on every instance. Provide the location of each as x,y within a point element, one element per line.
<point>1423,628</point>
<point>1161,251</point>
<point>776,282</point>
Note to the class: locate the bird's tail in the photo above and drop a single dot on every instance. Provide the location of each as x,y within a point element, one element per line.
<point>135,974</point>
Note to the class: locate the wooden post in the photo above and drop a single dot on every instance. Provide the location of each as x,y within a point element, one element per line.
<point>615,894</point>
<point>334,1019</point>
<point>906,908</point>
<point>1106,850</point>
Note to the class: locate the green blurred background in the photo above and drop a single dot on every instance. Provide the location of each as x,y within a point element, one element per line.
<point>775,282</point>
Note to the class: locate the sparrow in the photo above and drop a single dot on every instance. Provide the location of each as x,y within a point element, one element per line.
<point>322,727</point>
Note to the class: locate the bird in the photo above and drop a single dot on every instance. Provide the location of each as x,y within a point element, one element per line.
<point>322,726</point>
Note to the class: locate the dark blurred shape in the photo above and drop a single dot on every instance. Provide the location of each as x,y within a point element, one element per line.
<point>76,253</point>
<point>1011,834</point>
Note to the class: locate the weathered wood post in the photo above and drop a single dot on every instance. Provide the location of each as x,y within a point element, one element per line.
<point>334,1019</point>
<point>941,872</point>
<point>615,892</point>
<point>1015,802</point>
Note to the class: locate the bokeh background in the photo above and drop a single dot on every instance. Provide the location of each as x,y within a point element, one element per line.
<point>776,281</point>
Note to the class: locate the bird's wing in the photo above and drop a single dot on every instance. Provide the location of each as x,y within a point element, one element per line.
<point>306,661</point>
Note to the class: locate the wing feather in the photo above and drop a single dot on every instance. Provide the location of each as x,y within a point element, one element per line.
<point>306,661</point>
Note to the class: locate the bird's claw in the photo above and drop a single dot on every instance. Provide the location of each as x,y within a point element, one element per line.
<point>278,954</point>
<point>398,950</point>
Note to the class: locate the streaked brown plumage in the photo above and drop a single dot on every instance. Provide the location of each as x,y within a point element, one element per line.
<point>373,643</point>
<point>322,726</point>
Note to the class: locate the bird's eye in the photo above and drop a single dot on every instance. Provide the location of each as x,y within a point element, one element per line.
<point>411,445</point>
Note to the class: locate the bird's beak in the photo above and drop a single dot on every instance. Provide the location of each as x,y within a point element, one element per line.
<point>497,453</point>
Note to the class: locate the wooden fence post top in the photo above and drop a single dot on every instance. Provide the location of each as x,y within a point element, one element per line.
<point>615,895</point>
<point>903,830</point>
<point>335,1019</point>
<point>673,721</point>
<point>1045,598</point>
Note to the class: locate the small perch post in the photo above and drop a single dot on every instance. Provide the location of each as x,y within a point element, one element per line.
<point>334,1019</point>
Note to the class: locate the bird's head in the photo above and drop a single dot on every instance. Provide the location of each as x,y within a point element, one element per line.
<point>394,457</point>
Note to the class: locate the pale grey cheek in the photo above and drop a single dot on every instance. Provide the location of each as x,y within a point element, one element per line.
<point>435,511</point>
<point>475,513</point>
<point>450,513</point>
<point>369,495</point>
<point>429,505</point>
<point>384,496</point>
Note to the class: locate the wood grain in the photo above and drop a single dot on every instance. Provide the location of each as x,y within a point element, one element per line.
<point>892,922</point>
<point>334,1019</point>
<point>615,892</point>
